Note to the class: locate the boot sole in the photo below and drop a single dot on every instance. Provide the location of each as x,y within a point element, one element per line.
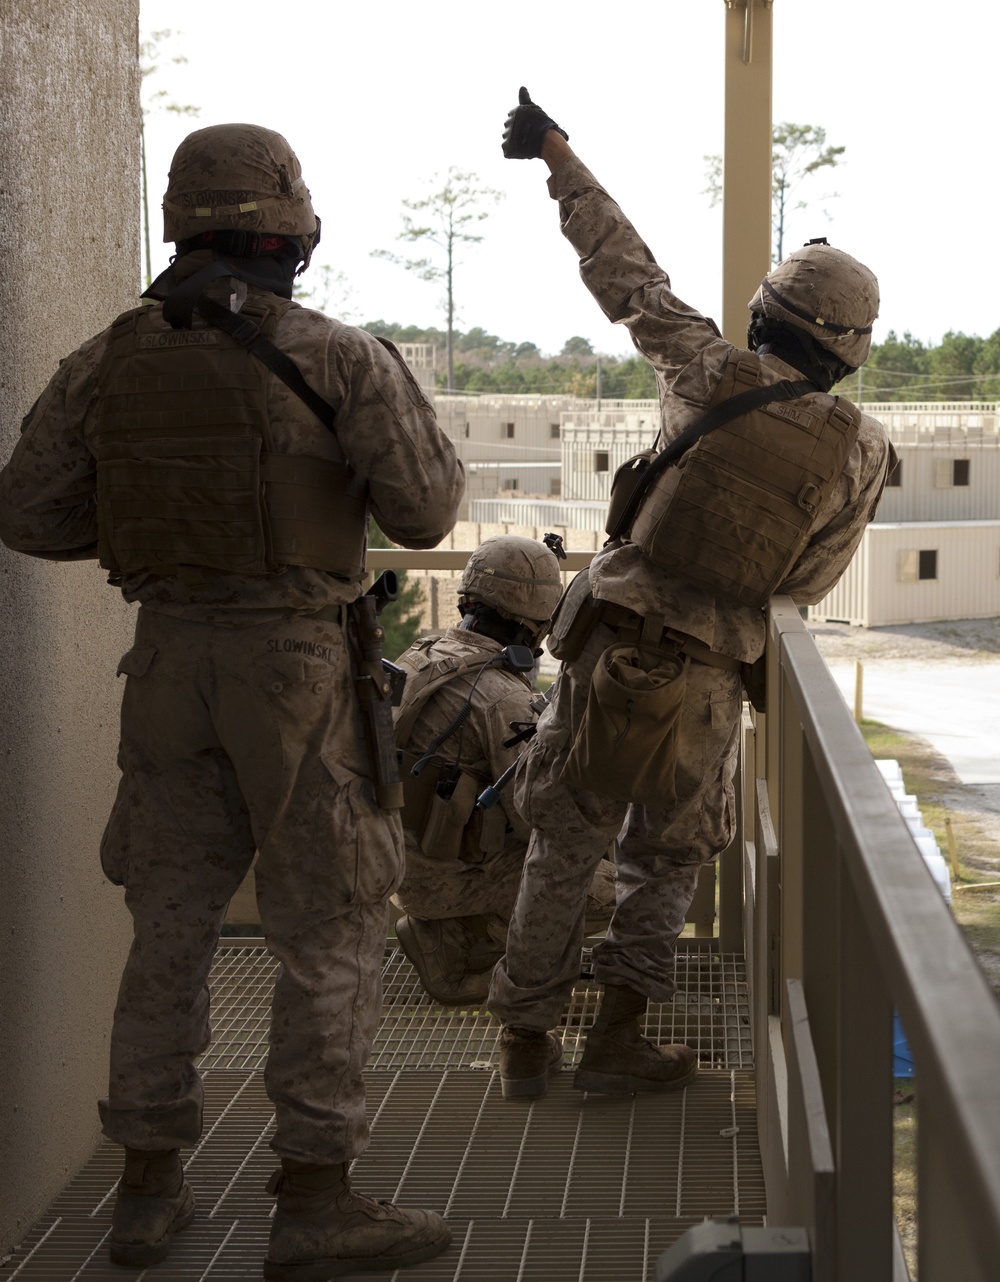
<point>323,1270</point>
<point>588,1079</point>
<point>530,1087</point>
<point>138,1255</point>
<point>409,949</point>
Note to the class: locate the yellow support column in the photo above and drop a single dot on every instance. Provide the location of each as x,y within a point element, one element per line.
<point>746,161</point>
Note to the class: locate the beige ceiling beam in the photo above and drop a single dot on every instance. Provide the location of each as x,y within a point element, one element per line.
<point>746,161</point>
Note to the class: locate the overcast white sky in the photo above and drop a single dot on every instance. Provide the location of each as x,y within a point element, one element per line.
<point>378,98</point>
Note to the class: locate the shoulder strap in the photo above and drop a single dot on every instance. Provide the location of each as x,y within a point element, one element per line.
<point>245,332</point>
<point>744,403</point>
<point>182,301</point>
<point>408,714</point>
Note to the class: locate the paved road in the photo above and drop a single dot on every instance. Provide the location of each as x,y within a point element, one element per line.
<point>954,706</point>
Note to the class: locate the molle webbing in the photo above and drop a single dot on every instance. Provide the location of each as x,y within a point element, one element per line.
<point>187,472</point>
<point>735,514</point>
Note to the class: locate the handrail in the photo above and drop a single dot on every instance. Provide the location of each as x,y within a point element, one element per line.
<point>863,929</point>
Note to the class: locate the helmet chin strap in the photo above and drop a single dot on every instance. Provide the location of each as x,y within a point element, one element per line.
<point>796,348</point>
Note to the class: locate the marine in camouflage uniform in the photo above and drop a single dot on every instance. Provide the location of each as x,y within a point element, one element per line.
<point>241,727</point>
<point>707,634</point>
<point>462,706</point>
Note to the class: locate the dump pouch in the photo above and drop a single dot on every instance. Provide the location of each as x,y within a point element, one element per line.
<point>626,746</point>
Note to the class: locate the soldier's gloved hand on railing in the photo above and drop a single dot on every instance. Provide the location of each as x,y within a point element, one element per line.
<point>525,129</point>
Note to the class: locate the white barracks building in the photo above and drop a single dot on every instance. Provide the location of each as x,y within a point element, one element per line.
<point>933,551</point>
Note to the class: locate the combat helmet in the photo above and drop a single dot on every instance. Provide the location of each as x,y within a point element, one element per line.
<point>238,178</point>
<point>517,577</point>
<point>827,293</point>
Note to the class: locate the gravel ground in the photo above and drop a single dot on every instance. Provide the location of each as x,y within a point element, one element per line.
<point>948,641</point>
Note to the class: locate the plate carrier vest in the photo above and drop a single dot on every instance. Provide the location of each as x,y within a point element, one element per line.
<point>187,474</point>
<point>736,511</point>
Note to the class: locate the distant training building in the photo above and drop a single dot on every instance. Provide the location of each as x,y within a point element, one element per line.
<point>933,551</point>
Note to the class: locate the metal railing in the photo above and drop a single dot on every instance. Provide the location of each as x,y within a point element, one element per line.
<point>841,924</point>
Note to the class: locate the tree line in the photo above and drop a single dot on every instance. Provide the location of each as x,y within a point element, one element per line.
<point>487,364</point>
<point>962,367</point>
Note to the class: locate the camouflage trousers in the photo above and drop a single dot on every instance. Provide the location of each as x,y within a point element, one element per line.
<point>438,889</point>
<point>235,739</point>
<point>660,853</point>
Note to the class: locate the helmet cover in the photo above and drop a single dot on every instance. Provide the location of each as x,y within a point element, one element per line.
<point>237,177</point>
<point>827,293</point>
<point>518,577</point>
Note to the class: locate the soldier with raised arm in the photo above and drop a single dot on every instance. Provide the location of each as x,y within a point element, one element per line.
<point>761,481</point>
<point>218,452</point>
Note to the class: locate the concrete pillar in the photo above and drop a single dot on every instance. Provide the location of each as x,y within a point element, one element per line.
<point>69,207</point>
<point>746,161</point>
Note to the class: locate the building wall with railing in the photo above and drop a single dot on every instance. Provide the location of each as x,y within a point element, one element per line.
<point>505,428</point>
<point>69,206</point>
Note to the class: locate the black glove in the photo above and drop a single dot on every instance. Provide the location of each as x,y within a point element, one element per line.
<point>525,129</point>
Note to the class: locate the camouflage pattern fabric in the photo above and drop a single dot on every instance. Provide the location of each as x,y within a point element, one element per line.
<point>660,851</point>
<point>483,882</point>
<point>234,740</point>
<point>241,730</point>
<point>385,428</point>
<point>689,357</point>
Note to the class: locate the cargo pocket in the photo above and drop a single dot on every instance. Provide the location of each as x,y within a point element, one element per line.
<point>364,844</point>
<point>626,745</point>
<point>115,842</point>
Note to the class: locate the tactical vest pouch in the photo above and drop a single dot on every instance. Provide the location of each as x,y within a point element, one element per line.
<point>626,746</point>
<point>627,480</point>
<point>169,501</point>
<point>576,615</point>
<point>447,818</point>
<point>318,513</point>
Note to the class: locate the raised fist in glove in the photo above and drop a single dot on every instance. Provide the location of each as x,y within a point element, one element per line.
<point>526,128</point>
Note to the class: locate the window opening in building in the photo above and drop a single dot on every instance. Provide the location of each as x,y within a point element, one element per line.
<point>508,430</point>
<point>927,566</point>
<point>511,484</point>
<point>602,461</point>
<point>960,471</point>
<point>554,431</point>
<point>555,487</point>
<point>895,478</point>
<point>466,431</point>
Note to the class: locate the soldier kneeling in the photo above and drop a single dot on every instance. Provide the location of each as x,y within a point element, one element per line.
<point>468,695</point>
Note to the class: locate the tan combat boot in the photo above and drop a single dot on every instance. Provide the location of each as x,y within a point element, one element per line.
<point>442,954</point>
<point>154,1202</point>
<point>322,1230</point>
<point>527,1059</point>
<point>617,1059</point>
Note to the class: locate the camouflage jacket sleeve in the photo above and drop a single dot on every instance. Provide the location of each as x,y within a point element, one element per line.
<point>385,425</point>
<point>850,508</point>
<point>48,490</point>
<point>624,277</point>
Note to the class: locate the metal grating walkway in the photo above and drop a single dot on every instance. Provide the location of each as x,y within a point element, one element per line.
<point>576,1187</point>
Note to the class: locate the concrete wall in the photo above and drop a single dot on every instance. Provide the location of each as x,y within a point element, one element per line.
<point>69,207</point>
